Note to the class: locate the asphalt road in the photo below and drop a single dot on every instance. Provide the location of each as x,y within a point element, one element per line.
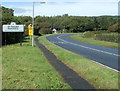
<point>104,56</point>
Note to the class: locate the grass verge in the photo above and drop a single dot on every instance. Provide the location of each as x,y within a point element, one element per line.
<point>94,42</point>
<point>25,67</point>
<point>100,77</point>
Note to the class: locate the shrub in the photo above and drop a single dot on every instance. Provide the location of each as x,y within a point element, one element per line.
<point>102,35</point>
<point>111,37</point>
<point>113,28</point>
<point>88,34</point>
<point>45,31</point>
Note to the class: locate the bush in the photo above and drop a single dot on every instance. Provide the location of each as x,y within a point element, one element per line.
<point>111,37</point>
<point>45,31</point>
<point>11,37</point>
<point>102,35</point>
<point>88,34</point>
<point>113,28</point>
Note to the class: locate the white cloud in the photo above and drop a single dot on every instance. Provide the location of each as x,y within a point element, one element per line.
<point>59,8</point>
<point>61,0</point>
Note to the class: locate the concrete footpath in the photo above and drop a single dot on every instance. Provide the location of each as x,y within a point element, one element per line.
<point>68,75</point>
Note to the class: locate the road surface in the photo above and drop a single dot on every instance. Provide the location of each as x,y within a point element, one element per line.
<point>107,57</point>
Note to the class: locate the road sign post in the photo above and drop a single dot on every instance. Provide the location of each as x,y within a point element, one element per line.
<point>20,39</point>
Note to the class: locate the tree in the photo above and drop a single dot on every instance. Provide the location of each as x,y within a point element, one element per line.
<point>74,23</point>
<point>45,31</point>
<point>7,15</point>
<point>113,28</point>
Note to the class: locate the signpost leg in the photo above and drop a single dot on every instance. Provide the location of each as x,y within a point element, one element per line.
<point>5,38</point>
<point>20,39</point>
<point>30,37</point>
<point>32,40</point>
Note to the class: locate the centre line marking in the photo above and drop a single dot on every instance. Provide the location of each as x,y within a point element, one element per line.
<point>87,47</point>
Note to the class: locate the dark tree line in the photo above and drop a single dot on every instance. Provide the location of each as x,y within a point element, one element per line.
<point>76,23</point>
<point>70,24</point>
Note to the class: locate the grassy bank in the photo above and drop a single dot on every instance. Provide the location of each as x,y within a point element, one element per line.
<point>94,42</point>
<point>25,67</point>
<point>100,77</point>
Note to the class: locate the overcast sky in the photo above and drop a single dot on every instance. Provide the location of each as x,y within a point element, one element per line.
<point>60,7</point>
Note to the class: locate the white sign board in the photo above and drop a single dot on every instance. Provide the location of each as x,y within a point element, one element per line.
<point>13,28</point>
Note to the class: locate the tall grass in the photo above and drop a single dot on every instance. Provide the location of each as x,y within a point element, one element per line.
<point>102,35</point>
<point>111,37</point>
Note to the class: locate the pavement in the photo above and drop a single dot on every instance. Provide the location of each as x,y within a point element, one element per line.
<point>104,56</point>
<point>69,76</point>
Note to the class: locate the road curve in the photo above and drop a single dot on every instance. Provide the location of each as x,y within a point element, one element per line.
<point>104,56</point>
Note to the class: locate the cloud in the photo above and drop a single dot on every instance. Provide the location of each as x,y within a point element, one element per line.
<point>72,8</point>
<point>20,10</point>
<point>61,1</point>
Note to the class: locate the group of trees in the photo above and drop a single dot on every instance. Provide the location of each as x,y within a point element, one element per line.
<point>76,23</point>
<point>66,23</point>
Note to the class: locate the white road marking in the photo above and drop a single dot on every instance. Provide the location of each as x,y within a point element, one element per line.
<point>92,60</point>
<point>57,42</point>
<point>95,50</point>
<point>106,66</point>
<point>87,47</point>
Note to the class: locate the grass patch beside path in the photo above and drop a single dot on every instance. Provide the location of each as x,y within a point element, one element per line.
<point>94,42</point>
<point>25,67</point>
<point>99,76</point>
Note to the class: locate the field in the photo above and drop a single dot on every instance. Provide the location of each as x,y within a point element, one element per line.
<point>25,67</point>
<point>100,77</point>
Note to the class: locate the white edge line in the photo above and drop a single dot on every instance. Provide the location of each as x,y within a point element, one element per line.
<point>106,66</point>
<point>87,47</point>
<point>97,62</point>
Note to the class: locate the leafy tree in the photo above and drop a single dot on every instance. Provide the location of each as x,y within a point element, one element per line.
<point>7,15</point>
<point>74,23</point>
<point>45,31</point>
<point>113,28</point>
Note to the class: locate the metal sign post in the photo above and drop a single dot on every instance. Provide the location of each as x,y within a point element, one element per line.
<point>20,39</point>
<point>5,38</point>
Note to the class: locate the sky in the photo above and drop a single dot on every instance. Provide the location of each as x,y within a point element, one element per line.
<point>60,7</point>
